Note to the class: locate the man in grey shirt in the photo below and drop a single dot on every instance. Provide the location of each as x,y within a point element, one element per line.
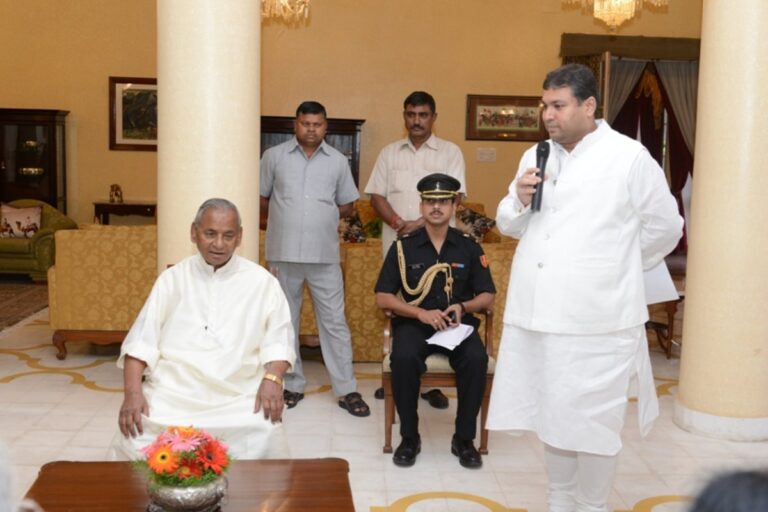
<point>307,185</point>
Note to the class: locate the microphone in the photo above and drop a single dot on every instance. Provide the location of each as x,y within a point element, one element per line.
<point>542,153</point>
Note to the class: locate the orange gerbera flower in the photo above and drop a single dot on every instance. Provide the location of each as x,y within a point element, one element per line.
<point>212,456</point>
<point>188,468</point>
<point>163,460</point>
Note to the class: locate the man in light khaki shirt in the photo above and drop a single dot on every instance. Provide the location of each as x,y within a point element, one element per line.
<point>400,166</point>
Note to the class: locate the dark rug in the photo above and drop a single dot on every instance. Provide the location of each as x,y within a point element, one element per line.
<point>20,298</point>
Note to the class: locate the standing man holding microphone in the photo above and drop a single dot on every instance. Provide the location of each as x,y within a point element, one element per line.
<point>574,320</point>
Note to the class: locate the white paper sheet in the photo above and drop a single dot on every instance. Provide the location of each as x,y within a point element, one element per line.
<point>659,286</point>
<point>451,338</point>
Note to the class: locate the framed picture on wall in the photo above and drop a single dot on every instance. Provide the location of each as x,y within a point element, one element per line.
<point>515,118</point>
<point>132,113</point>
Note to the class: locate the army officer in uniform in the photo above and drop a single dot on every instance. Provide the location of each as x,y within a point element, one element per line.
<point>432,279</point>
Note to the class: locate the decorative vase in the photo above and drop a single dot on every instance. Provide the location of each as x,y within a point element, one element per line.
<point>202,498</point>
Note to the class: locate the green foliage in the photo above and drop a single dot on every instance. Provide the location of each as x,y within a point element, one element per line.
<point>373,228</point>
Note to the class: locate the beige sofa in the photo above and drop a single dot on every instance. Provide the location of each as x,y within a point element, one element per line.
<point>361,263</point>
<point>103,275</point>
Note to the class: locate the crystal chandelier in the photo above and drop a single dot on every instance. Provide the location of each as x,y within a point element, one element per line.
<point>615,12</point>
<point>288,10</point>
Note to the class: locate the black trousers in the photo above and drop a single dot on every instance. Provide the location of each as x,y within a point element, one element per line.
<point>409,351</point>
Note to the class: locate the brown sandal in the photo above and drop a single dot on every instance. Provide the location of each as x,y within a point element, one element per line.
<point>355,405</point>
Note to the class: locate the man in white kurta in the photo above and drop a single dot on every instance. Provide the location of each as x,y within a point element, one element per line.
<point>213,341</point>
<point>574,320</point>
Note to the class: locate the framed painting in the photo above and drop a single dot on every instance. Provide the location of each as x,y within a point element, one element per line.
<point>515,118</point>
<point>132,113</point>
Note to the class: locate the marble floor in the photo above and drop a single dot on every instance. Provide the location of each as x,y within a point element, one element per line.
<point>67,410</point>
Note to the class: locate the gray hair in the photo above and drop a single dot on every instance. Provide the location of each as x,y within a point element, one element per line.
<point>218,203</point>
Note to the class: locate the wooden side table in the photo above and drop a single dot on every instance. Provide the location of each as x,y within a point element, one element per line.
<point>103,209</point>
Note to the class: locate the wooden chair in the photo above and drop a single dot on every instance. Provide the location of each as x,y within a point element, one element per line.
<point>676,264</point>
<point>439,374</point>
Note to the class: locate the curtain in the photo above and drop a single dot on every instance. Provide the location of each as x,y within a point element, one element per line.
<point>639,118</point>
<point>624,76</point>
<point>681,81</point>
<point>680,163</point>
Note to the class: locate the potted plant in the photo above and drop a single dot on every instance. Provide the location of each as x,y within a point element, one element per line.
<point>185,468</point>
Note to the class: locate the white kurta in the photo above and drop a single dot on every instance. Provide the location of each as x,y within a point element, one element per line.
<point>398,169</point>
<point>206,337</point>
<point>576,304</point>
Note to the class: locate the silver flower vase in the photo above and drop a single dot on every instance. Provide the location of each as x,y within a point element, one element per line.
<point>202,498</point>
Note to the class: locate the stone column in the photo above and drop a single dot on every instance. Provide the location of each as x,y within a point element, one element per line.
<point>723,388</point>
<point>208,117</point>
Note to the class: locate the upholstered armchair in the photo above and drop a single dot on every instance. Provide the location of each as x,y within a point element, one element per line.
<point>102,276</point>
<point>33,255</point>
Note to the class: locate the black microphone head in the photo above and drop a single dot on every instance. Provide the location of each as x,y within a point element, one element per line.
<point>542,149</point>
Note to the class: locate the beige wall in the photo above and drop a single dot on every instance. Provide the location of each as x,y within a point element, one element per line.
<point>358,57</point>
<point>59,54</point>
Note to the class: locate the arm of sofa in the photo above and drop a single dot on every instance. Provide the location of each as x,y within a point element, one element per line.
<point>42,243</point>
<point>42,248</point>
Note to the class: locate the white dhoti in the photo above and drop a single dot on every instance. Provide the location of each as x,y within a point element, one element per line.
<point>247,434</point>
<point>572,390</point>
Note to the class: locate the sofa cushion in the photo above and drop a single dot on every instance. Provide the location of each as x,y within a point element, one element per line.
<point>103,276</point>
<point>19,222</point>
<point>474,223</point>
<point>15,247</point>
<point>351,229</point>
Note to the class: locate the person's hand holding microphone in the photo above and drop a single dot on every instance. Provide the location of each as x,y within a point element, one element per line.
<point>530,186</point>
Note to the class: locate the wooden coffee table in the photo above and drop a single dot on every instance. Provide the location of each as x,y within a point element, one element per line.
<point>320,485</point>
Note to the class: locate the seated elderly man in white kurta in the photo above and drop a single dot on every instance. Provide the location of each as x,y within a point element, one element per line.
<point>212,342</point>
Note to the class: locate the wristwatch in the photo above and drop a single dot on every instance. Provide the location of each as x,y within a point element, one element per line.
<point>274,378</point>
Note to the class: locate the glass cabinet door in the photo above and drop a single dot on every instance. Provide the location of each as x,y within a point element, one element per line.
<point>32,164</point>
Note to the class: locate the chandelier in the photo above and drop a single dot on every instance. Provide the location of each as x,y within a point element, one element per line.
<point>615,12</point>
<point>288,10</point>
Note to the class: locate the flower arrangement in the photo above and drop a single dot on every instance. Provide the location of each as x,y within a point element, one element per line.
<point>184,457</point>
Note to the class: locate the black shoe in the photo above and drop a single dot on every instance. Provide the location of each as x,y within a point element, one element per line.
<point>468,456</point>
<point>379,394</point>
<point>405,455</point>
<point>291,398</point>
<point>436,399</point>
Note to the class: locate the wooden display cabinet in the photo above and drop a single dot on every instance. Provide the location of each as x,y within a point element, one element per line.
<point>32,162</point>
<point>342,134</point>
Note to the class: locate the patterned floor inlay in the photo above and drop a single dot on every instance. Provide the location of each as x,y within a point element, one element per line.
<point>403,504</point>
<point>455,498</point>
<point>76,377</point>
<point>54,410</point>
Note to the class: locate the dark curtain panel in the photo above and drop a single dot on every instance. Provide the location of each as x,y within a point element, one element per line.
<point>680,164</point>
<point>643,109</point>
